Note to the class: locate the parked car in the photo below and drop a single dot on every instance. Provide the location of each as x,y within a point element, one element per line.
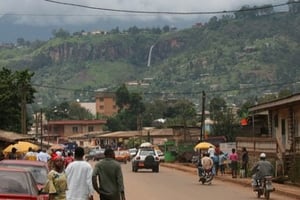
<point>146,158</point>
<point>122,156</point>
<point>39,170</point>
<point>17,183</point>
<point>95,155</point>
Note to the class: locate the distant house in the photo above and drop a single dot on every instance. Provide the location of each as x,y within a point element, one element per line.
<point>121,138</point>
<point>155,136</point>
<point>198,25</point>
<point>89,139</point>
<point>59,131</point>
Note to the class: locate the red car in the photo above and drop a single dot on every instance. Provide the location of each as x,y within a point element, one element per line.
<point>18,184</point>
<point>39,170</point>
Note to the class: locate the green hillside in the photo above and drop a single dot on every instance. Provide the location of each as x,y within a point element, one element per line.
<point>236,57</point>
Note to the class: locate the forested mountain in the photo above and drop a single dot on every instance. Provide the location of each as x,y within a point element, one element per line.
<point>237,57</point>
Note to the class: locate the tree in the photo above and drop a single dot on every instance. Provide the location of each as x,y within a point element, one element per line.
<point>224,119</point>
<point>294,6</point>
<point>185,111</point>
<point>20,41</point>
<point>216,107</point>
<point>67,111</point>
<point>60,33</point>
<point>122,96</point>
<point>115,30</point>
<point>166,29</point>
<point>133,30</point>
<point>267,98</point>
<point>154,110</point>
<point>79,113</point>
<point>284,93</point>
<point>16,92</point>
<point>131,109</point>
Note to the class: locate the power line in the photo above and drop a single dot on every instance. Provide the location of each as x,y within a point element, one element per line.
<point>169,12</point>
<point>176,93</point>
<point>68,15</point>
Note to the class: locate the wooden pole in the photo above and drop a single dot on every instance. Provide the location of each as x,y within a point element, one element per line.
<point>41,129</point>
<point>203,116</point>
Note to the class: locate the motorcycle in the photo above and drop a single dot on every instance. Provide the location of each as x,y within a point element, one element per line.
<point>264,187</point>
<point>205,176</point>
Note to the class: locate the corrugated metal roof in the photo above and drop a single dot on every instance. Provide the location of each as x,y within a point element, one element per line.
<point>293,99</point>
<point>152,132</point>
<point>8,136</point>
<point>71,122</point>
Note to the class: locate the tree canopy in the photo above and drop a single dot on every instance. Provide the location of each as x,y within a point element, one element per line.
<point>16,92</point>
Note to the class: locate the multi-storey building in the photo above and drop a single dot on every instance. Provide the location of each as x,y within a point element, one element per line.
<point>106,104</point>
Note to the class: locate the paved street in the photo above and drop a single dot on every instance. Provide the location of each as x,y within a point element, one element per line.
<point>172,184</point>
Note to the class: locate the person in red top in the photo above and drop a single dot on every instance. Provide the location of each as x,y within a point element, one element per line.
<point>233,157</point>
<point>53,155</point>
<point>69,159</point>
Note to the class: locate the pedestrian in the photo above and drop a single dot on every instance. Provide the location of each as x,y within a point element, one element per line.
<point>211,151</point>
<point>222,162</point>
<point>13,154</point>
<point>244,165</point>
<point>30,155</point>
<point>56,185</point>
<point>79,178</point>
<point>216,159</point>
<point>110,177</point>
<point>53,155</point>
<point>43,156</point>
<point>69,159</point>
<point>233,157</point>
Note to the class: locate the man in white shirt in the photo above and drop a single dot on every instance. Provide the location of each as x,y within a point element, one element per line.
<point>79,178</point>
<point>43,156</point>
<point>211,151</point>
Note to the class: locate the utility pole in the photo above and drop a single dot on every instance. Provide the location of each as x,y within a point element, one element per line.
<point>41,129</point>
<point>23,109</point>
<point>36,126</point>
<point>203,116</point>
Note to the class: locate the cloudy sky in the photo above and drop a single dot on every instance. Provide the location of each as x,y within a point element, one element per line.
<point>41,12</point>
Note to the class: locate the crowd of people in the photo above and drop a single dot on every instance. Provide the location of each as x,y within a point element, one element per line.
<point>70,177</point>
<point>217,160</point>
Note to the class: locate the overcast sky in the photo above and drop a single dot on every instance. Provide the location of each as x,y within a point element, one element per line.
<point>41,12</point>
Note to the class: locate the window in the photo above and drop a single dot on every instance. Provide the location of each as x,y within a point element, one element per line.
<point>75,129</point>
<point>101,99</point>
<point>90,128</point>
<point>101,107</point>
